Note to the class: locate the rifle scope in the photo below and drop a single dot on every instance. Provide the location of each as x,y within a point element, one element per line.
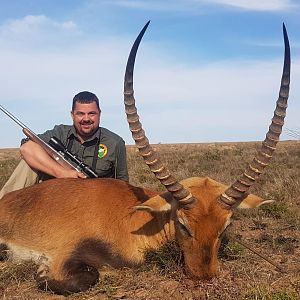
<point>59,146</point>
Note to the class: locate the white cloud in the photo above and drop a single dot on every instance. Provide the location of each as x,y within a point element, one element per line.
<point>31,24</point>
<point>256,5</point>
<point>154,5</point>
<point>190,5</point>
<point>224,101</point>
<point>36,32</point>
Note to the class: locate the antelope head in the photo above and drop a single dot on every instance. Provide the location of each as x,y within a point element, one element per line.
<point>201,208</point>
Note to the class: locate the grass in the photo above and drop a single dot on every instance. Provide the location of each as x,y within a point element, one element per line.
<point>272,230</point>
<point>267,295</point>
<point>231,250</point>
<point>168,259</point>
<point>276,210</point>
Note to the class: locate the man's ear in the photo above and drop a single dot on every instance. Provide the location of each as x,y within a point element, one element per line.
<point>252,201</point>
<point>156,204</point>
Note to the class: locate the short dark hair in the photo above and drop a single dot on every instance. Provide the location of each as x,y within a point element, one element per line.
<point>85,97</point>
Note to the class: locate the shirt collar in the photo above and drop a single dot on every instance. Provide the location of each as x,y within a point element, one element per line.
<point>94,137</point>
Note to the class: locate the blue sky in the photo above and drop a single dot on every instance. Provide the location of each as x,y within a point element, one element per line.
<point>206,71</point>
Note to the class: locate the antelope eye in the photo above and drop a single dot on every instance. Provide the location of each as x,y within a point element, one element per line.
<point>186,232</point>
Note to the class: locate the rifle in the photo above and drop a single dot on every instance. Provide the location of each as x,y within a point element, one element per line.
<point>55,149</point>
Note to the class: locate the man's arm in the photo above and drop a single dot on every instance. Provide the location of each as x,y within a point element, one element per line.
<point>121,162</point>
<point>38,159</point>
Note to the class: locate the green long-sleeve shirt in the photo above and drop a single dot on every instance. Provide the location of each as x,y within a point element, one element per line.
<point>110,149</point>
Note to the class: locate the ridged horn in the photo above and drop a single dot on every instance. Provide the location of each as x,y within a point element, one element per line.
<point>233,196</point>
<point>150,156</point>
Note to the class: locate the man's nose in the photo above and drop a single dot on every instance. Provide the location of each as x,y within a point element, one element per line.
<point>86,117</point>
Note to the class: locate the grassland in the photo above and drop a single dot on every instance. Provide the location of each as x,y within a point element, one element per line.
<point>272,230</point>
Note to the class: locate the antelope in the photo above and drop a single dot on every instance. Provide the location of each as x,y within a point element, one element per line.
<point>73,227</point>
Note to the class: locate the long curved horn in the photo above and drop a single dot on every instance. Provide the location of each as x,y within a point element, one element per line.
<point>233,196</point>
<point>149,155</point>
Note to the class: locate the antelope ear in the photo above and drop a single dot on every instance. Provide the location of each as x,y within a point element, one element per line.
<point>159,203</point>
<point>253,201</point>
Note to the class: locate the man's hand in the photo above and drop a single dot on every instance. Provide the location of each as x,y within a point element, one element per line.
<point>64,173</point>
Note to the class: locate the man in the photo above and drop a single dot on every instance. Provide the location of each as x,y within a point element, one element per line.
<point>99,148</point>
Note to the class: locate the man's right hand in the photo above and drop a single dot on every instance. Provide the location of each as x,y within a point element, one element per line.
<point>64,173</point>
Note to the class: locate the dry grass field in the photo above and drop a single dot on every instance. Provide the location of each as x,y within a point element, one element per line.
<point>272,230</point>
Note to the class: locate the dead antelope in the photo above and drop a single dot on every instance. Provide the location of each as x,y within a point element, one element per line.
<point>72,227</point>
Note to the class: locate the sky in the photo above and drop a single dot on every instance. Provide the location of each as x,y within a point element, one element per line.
<point>206,70</point>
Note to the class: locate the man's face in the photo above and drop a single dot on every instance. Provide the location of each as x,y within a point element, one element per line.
<point>86,119</point>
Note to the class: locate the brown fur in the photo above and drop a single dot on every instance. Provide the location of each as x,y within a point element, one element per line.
<point>75,226</point>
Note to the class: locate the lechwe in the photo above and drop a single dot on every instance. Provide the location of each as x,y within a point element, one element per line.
<point>72,227</point>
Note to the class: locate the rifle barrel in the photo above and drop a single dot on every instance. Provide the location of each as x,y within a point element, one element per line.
<point>13,117</point>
